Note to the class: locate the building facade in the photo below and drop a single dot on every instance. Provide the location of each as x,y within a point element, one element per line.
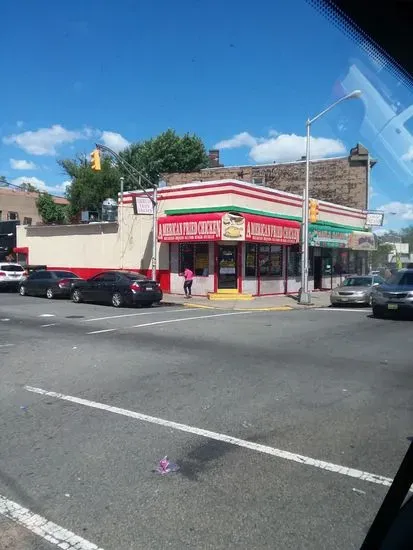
<point>236,237</point>
<point>19,205</point>
<point>341,180</point>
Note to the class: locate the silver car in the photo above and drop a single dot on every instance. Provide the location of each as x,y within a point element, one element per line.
<point>395,296</point>
<point>355,290</point>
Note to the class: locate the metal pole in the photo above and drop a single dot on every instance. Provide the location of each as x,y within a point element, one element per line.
<point>121,221</point>
<point>154,232</point>
<point>305,296</point>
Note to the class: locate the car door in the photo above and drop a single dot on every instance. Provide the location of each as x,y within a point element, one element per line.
<point>32,283</point>
<point>107,286</point>
<point>44,282</point>
<point>90,289</point>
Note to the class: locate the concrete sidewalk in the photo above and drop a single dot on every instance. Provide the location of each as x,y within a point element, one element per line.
<point>263,303</point>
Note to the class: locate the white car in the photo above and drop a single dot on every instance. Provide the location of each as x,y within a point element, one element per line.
<point>11,275</point>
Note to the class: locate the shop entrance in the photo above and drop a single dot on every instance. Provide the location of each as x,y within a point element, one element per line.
<point>227,267</point>
<point>318,275</point>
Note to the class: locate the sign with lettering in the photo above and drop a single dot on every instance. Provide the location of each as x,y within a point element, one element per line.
<point>270,232</point>
<point>360,240</point>
<point>143,205</point>
<point>374,218</point>
<point>326,238</point>
<point>188,230</point>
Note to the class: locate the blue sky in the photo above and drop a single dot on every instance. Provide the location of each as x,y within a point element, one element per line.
<point>244,76</point>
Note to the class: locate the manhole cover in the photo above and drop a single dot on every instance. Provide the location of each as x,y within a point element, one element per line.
<point>75,316</point>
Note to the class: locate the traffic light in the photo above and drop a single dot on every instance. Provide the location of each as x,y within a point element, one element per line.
<point>95,160</point>
<point>313,211</point>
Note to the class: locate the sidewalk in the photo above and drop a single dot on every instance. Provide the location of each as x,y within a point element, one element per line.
<point>263,303</point>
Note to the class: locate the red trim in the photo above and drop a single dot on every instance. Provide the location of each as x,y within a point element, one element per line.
<point>190,228</point>
<point>162,275</point>
<point>262,229</point>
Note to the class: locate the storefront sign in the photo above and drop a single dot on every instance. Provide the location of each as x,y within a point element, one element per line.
<point>143,205</point>
<point>328,239</point>
<point>374,218</point>
<point>362,241</point>
<point>271,230</point>
<point>233,227</point>
<point>189,230</point>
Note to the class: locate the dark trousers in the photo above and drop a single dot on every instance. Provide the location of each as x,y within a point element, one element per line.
<point>188,287</point>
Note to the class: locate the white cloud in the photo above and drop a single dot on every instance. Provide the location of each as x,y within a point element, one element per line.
<point>44,141</point>
<point>41,185</point>
<point>290,147</point>
<point>282,147</point>
<point>409,154</point>
<point>244,139</point>
<point>22,164</point>
<point>400,210</point>
<point>114,140</point>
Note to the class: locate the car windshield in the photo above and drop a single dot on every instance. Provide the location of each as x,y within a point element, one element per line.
<point>65,275</point>
<point>358,281</point>
<point>402,278</point>
<point>11,267</point>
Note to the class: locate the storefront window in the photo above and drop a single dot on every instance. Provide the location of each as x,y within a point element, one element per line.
<point>195,257</point>
<point>352,269</point>
<point>327,261</point>
<point>250,260</point>
<point>294,261</point>
<point>270,260</point>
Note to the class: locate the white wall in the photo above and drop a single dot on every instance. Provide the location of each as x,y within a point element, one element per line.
<point>201,285</point>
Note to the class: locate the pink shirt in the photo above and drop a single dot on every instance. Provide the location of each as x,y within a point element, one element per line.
<point>188,275</point>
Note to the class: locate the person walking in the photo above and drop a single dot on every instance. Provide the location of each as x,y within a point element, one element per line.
<point>189,277</point>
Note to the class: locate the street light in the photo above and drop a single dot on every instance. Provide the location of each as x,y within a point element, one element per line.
<point>305,295</point>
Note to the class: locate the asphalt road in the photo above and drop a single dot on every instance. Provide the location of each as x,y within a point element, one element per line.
<point>246,403</point>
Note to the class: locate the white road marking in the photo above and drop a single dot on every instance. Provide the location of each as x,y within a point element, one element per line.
<point>47,530</point>
<point>4,320</point>
<point>50,325</point>
<point>180,320</point>
<point>132,315</point>
<point>47,315</point>
<point>100,331</point>
<point>6,345</point>
<point>265,449</point>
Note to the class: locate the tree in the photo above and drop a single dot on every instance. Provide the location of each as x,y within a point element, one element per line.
<point>379,257</point>
<point>165,153</point>
<point>90,188</point>
<point>407,236</point>
<point>27,186</point>
<point>49,211</point>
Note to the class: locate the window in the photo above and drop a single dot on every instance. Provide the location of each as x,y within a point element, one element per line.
<point>65,275</point>
<point>270,260</point>
<point>27,221</point>
<point>12,216</point>
<point>294,261</point>
<point>250,260</point>
<point>109,277</point>
<point>11,267</point>
<point>195,257</point>
<point>1,214</point>
<point>258,181</point>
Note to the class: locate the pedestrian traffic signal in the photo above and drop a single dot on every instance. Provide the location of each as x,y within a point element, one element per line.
<point>95,160</point>
<point>313,211</point>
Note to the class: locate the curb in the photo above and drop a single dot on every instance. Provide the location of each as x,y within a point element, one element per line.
<point>276,308</point>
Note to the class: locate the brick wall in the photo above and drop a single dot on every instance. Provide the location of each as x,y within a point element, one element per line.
<point>342,180</point>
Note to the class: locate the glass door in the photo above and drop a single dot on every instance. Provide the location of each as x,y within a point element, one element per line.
<point>227,267</point>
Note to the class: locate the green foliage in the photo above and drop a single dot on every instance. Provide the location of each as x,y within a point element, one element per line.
<point>49,211</point>
<point>89,188</point>
<point>26,186</point>
<point>379,257</point>
<point>165,153</point>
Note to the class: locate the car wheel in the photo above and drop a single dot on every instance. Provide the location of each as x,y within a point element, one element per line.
<point>50,293</point>
<point>117,299</point>
<point>370,302</point>
<point>378,312</point>
<point>77,297</point>
<point>22,290</point>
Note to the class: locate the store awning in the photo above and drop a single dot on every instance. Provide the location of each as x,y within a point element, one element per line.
<point>227,226</point>
<point>362,240</point>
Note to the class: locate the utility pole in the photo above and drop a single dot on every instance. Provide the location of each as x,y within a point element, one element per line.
<point>137,177</point>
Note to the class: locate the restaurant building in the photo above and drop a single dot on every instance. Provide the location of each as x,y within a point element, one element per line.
<point>237,237</point>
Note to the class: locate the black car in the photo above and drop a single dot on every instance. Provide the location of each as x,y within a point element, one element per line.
<point>52,284</point>
<point>118,288</point>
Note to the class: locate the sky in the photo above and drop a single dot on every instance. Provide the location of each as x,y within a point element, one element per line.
<point>242,76</point>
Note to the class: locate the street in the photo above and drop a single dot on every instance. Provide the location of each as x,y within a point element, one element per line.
<point>287,426</point>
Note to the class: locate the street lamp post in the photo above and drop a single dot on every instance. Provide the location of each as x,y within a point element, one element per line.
<point>305,295</point>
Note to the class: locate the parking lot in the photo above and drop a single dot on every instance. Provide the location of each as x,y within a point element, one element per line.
<point>287,426</point>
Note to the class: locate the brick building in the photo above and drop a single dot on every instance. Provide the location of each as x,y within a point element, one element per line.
<point>341,180</point>
<point>20,205</point>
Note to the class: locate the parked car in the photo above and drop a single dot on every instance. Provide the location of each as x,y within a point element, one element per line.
<point>395,296</point>
<point>11,274</point>
<point>52,284</point>
<point>118,288</point>
<point>355,290</point>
